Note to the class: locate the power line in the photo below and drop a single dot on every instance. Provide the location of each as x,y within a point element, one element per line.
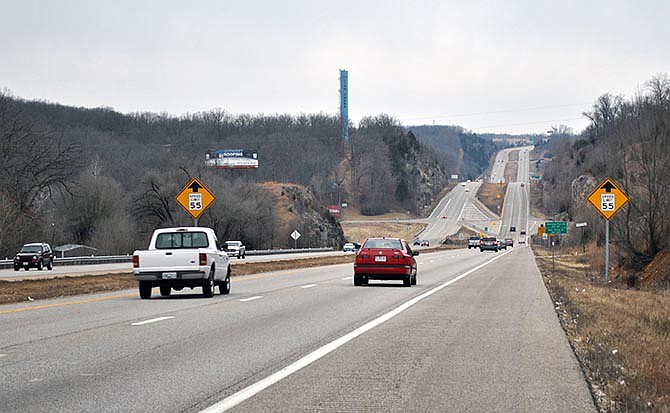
<point>492,112</point>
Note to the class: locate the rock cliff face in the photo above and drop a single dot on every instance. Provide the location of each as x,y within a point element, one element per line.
<point>296,209</point>
<point>582,186</point>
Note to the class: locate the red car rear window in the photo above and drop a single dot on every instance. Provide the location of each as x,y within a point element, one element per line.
<point>383,243</point>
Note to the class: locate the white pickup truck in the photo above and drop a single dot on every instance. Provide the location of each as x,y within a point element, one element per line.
<point>182,257</point>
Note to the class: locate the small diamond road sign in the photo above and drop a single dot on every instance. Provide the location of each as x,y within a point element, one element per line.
<point>195,198</point>
<point>607,198</point>
<point>295,235</point>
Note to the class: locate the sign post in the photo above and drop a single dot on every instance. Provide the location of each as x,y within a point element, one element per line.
<point>195,199</point>
<point>295,235</point>
<point>607,199</point>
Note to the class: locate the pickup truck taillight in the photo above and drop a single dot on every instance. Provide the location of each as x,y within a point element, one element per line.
<point>136,261</point>
<point>202,257</point>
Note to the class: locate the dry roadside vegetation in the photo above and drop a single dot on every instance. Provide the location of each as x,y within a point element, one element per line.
<point>620,334</point>
<point>29,290</point>
<point>358,232</point>
<point>492,196</point>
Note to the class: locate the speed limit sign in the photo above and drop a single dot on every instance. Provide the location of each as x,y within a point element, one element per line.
<point>607,202</point>
<point>195,202</point>
<point>607,198</point>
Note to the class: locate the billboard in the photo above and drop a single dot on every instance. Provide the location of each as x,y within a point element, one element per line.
<point>335,211</point>
<point>232,159</point>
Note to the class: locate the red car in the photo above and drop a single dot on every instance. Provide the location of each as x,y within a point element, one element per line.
<point>385,259</point>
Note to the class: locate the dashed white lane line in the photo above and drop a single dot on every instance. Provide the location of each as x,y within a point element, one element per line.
<point>153,320</point>
<point>308,286</point>
<point>253,389</point>
<point>347,278</point>
<point>3,355</point>
<point>256,297</point>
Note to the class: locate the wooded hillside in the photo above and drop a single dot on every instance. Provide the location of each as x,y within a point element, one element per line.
<point>104,179</point>
<point>629,141</point>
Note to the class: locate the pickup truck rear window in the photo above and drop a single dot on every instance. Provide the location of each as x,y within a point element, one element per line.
<point>173,240</point>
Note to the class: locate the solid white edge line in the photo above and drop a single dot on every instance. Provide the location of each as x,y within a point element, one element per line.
<point>308,286</point>
<point>153,320</point>
<point>3,355</point>
<point>347,278</point>
<point>253,389</point>
<point>256,297</point>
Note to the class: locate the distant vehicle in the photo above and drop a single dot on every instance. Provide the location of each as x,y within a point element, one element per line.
<point>473,242</point>
<point>185,257</point>
<point>522,232</point>
<point>522,184</point>
<point>488,244</point>
<point>235,249</point>
<point>502,245</point>
<point>522,237</point>
<point>385,259</point>
<point>38,255</point>
<point>512,229</point>
<point>462,183</point>
<point>349,247</point>
<point>467,189</point>
<point>443,217</point>
<point>416,242</point>
<point>425,243</point>
<point>509,242</point>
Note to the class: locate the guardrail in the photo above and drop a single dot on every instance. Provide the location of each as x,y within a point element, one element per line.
<point>111,259</point>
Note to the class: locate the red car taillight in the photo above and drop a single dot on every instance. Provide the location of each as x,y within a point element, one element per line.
<point>202,258</point>
<point>136,261</point>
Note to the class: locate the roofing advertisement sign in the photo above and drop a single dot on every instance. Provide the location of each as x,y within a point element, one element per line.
<point>232,159</point>
<point>335,211</point>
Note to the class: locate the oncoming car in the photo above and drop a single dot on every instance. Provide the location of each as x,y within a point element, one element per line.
<point>349,247</point>
<point>385,259</point>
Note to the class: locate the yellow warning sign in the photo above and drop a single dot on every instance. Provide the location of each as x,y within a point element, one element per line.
<point>607,198</point>
<point>195,198</point>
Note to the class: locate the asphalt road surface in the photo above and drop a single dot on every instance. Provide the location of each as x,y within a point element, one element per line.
<point>478,333</point>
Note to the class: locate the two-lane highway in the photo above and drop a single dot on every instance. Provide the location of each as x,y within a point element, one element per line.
<point>491,319</point>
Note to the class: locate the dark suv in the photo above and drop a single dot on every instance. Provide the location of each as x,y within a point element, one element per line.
<point>38,255</point>
<point>489,243</point>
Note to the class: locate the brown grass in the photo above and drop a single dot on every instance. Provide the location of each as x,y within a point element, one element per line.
<point>511,169</point>
<point>488,195</point>
<point>359,232</point>
<point>620,335</point>
<point>513,155</point>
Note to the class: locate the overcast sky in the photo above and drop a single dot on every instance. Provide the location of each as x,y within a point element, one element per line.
<point>489,66</point>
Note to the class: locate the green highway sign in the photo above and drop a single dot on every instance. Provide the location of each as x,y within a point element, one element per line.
<point>556,227</point>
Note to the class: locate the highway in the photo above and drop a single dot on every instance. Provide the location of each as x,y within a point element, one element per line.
<point>516,206</point>
<point>478,333</point>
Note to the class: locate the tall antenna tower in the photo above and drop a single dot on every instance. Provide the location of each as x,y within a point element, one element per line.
<point>344,104</point>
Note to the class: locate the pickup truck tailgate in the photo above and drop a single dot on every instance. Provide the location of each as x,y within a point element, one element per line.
<point>175,260</point>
